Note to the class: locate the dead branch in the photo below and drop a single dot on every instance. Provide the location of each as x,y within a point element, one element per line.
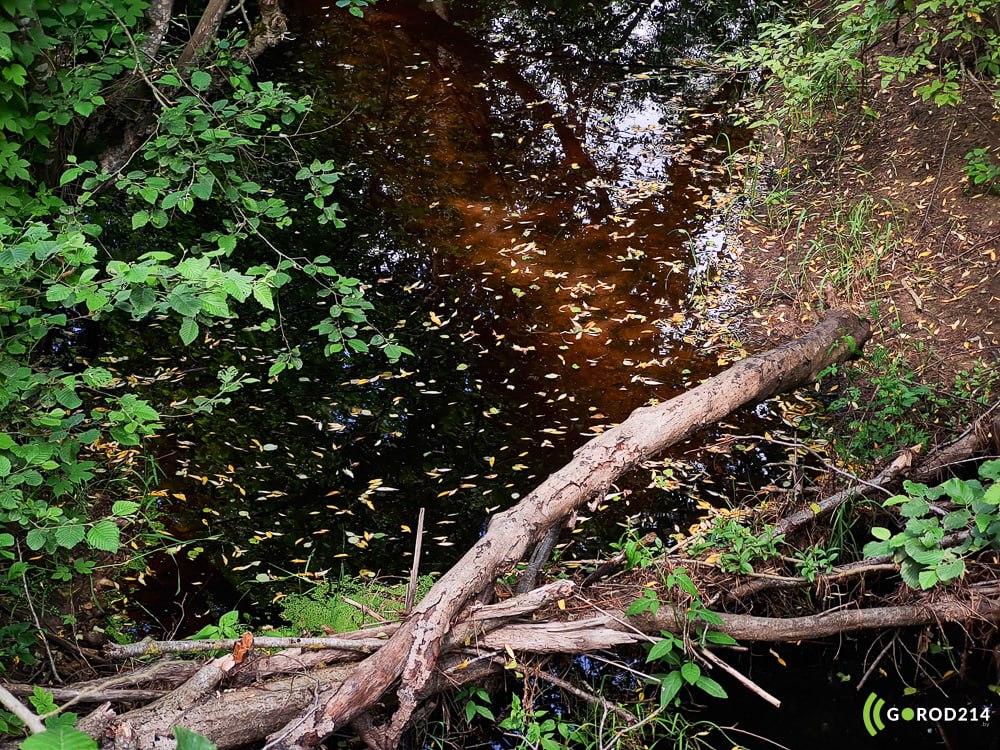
<point>149,647</point>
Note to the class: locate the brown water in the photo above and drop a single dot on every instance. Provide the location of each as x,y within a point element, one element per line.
<point>531,199</point>
<point>528,190</point>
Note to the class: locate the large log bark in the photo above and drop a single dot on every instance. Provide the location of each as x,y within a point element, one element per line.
<point>412,652</point>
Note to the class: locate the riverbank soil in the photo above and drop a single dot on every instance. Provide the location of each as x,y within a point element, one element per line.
<point>877,212</point>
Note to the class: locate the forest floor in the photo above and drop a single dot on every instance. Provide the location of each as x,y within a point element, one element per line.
<point>876,212</point>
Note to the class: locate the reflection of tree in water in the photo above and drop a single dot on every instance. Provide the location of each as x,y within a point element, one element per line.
<point>495,187</point>
<point>533,92</point>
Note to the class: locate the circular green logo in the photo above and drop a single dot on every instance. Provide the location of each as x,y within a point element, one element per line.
<point>907,714</point>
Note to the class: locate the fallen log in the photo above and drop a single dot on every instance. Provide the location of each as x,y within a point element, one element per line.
<point>331,697</point>
<point>247,714</point>
<point>411,653</point>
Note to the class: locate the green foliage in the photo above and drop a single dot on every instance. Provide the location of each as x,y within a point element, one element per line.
<point>969,508</point>
<point>60,737</point>
<point>943,45</point>
<point>476,703</point>
<point>672,650</point>
<point>536,729</point>
<point>982,172</point>
<point>814,560</point>
<point>324,606</point>
<point>227,627</point>
<point>638,555</point>
<point>189,740</point>
<point>218,139</point>
<point>60,727</point>
<point>355,7</point>
<point>737,548</point>
<point>886,408</point>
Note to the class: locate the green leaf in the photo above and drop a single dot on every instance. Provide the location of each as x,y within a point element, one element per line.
<point>660,649</point>
<point>927,579</point>
<point>262,293</point>
<point>189,740</point>
<point>229,619</point>
<point>70,535</point>
<point>5,466</point>
<point>140,219</point>
<point>880,532</point>
<point>69,175</point>
<point>992,495</point>
<point>486,713</point>
<point>957,519</point>
<point>669,687</point>
<point>691,672</point>
<point>60,737</point>
<point>990,470</point>
<point>720,639</point>
<point>189,330</point>
<point>950,571</point>
<point>67,398</point>
<point>105,536</point>
<point>97,377</point>
<point>58,293</point>
<point>200,80</point>
<point>914,508</point>
<point>910,572</point>
<point>124,508</point>
<point>36,539</point>
<point>711,687</point>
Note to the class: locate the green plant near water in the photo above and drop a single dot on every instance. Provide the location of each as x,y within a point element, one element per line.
<point>536,729</point>
<point>895,414</point>
<point>326,606</point>
<point>967,511</point>
<point>637,554</point>
<point>61,732</point>
<point>886,408</point>
<point>814,560</point>
<point>844,251</point>
<point>218,138</point>
<point>673,651</point>
<point>736,547</point>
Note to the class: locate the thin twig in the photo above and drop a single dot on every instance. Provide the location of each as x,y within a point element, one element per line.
<point>740,678</point>
<point>930,203</point>
<point>591,698</point>
<point>868,673</point>
<point>366,611</point>
<point>38,622</point>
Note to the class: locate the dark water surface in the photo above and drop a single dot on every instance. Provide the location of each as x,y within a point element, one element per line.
<point>526,190</point>
<point>528,195</point>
